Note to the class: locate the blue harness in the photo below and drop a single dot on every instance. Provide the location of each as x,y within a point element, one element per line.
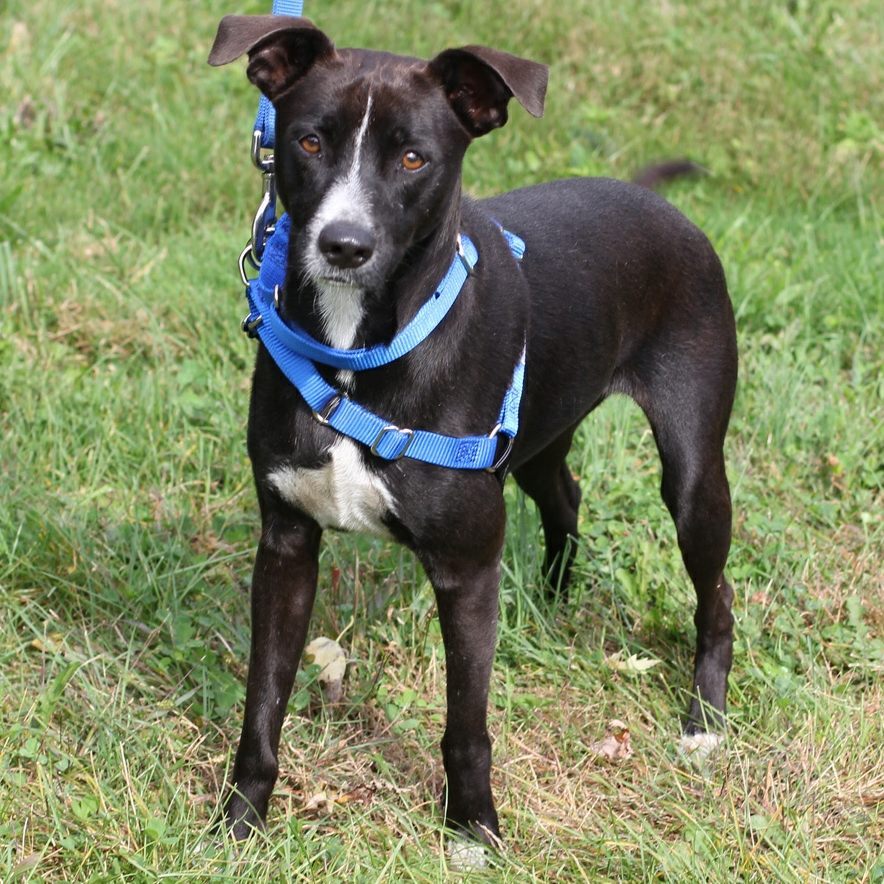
<point>295,352</point>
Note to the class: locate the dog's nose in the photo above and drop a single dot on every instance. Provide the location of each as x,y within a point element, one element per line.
<point>345,244</point>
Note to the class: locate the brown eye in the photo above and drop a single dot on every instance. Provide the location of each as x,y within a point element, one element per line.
<point>412,161</point>
<point>310,144</point>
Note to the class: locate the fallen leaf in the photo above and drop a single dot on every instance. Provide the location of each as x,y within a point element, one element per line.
<point>326,802</point>
<point>332,660</point>
<point>632,663</point>
<point>319,803</point>
<point>360,795</point>
<point>616,745</point>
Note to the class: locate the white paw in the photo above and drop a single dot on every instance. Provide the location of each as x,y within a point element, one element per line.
<point>465,856</point>
<point>696,748</point>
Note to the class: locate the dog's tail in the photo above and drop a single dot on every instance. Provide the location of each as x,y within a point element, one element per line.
<point>661,173</point>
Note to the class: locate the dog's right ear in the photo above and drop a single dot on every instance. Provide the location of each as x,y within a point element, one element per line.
<point>281,48</point>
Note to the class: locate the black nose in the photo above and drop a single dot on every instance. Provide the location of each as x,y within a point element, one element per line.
<point>345,244</point>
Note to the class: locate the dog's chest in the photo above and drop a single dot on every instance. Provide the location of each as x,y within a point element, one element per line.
<point>340,494</point>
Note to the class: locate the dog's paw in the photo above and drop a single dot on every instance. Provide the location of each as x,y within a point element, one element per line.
<point>240,818</point>
<point>466,855</point>
<point>696,749</point>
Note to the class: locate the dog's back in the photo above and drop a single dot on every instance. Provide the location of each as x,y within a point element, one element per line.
<point>615,273</point>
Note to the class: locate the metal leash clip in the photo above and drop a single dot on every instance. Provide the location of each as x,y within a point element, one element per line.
<point>264,220</point>
<point>265,217</point>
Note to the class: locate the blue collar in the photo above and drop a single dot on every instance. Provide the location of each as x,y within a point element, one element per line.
<point>294,352</point>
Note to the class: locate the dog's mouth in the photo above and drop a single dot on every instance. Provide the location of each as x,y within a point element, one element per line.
<point>336,279</point>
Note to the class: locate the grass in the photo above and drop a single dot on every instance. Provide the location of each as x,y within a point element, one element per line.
<point>129,521</point>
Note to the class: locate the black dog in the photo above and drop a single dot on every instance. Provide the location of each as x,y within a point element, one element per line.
<point>617,293</point>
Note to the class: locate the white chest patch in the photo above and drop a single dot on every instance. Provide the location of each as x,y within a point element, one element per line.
<point>342,494</point>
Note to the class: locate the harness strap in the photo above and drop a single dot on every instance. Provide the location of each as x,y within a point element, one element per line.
<point>335,409</point>
<point>386,440</point>
<point>434,310</point>
<point>265,121</point>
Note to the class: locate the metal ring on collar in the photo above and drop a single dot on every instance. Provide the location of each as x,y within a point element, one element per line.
<point>506,452</point>
<point>250,326</point>
<point>392,428</point>
<point>463,255</point>
<point>324,415</point>
<point>247,254</point>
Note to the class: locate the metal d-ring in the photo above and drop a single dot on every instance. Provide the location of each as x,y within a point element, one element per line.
<point>506,452</point>
<point>325,414</point>
<point>247,255</point>
<point>250,326</point>
<point>463,255</point>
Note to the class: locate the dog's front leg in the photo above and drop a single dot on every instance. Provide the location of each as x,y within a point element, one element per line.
<point>467,600</point>
<point>283,589</point>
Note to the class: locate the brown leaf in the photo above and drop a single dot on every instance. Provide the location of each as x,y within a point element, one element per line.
<point>616,745</point>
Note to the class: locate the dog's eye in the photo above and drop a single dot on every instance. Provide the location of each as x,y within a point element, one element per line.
<point>412,161</point>
<point>310,144</point>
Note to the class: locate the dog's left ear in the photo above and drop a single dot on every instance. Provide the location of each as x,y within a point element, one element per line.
<point>479,82</point>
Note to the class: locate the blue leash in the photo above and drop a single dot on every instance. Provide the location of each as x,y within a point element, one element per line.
<point>265,121</point>
<point>294,352</point>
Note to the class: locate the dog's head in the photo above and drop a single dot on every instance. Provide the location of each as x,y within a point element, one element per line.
<point>369,145</point>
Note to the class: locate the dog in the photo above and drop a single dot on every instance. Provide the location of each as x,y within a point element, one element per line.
<point>617,292</point>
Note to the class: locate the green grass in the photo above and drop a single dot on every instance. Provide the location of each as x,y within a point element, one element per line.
<point>128,519</point>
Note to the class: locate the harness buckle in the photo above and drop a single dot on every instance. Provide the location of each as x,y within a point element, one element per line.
<point>463,256</point>
<point>392,428</point>
<point>250,326</point>
<point>325,414</point>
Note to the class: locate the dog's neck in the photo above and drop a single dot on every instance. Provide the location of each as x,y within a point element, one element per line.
<point>345,317</point>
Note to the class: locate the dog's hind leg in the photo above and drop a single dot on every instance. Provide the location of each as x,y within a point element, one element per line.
<point>686,389</point>
<point>547,480</point>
